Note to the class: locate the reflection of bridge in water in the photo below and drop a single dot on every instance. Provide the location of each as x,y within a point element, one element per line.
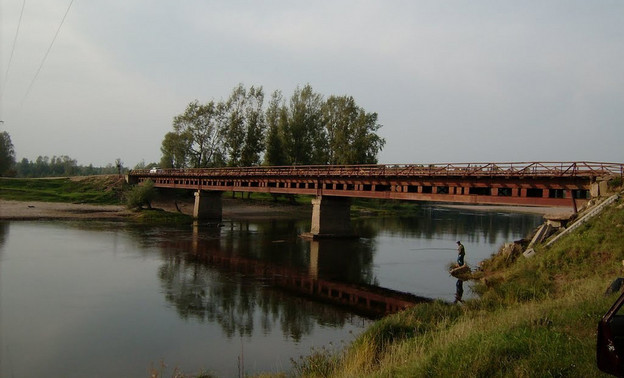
<point>365,299</point>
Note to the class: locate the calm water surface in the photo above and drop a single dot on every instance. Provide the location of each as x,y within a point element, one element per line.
<point>108,299</point>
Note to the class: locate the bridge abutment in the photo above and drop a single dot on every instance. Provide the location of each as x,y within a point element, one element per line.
<point>208,206</point>
<point>331,218</point>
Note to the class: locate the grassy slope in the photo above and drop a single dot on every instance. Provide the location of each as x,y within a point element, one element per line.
<point>536,317</point>
<point>98,190</point>
<point>101,190</point>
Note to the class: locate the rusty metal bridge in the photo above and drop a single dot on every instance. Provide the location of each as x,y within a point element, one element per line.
<point>563,184</point>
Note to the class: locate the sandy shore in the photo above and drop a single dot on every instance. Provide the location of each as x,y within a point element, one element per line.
<point>31,210</point>
<point>239,209</point>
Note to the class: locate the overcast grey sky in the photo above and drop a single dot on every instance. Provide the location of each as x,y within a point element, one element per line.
<point>452,81</point>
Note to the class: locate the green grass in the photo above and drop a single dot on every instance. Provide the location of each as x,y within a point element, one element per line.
<point>535,317</point>
<point>104,190</point>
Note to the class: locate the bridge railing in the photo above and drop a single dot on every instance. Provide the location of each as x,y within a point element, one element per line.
<point>510,169</point>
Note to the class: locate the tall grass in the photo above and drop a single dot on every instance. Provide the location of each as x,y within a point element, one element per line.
<point>535,317</point>
<point>104,190</point>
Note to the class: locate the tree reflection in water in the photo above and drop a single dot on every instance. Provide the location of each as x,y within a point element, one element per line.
<point>230,293</point>
<point>4,231</point>
<point>224,280</point>
<point>429,222</point>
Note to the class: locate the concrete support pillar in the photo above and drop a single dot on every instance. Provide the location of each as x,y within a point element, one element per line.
<point>208,205</point>
<point>331,218</point>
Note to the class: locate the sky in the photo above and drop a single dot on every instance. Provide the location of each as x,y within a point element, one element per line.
<point>451,81</point>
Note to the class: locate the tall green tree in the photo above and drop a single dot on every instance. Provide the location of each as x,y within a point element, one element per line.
<point>235,127</point>
<point>304,136</point>
<point>245,127</point>
<point>204,124</point>
<point>255,132</point>
<point>305,130</point>
<point>7,155</point>
<point>351,132</point>
<point>276,119</point>
<point>176,149</point>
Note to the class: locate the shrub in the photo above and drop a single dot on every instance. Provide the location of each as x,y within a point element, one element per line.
<point>141,195</point>
<point>615,183</point>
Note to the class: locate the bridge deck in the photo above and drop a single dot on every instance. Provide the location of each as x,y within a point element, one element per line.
<point>534,183</point>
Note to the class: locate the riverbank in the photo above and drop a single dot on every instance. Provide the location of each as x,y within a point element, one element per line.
<point>36,210</point>
<point>534,317</point>
<point>102,198</point>
<point>232,209</point>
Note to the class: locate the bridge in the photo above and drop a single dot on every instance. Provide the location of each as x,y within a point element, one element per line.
<point>558,184</point>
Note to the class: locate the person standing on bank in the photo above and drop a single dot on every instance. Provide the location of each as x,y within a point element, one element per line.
<point>461,252</point>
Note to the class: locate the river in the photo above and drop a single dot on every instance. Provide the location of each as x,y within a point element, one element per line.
<point>103,299</point>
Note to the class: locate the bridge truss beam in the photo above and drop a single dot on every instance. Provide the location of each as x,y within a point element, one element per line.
<point>562,184</point>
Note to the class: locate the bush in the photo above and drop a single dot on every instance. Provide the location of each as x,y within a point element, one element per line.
<point>615,183</point>
<point>141,195</point>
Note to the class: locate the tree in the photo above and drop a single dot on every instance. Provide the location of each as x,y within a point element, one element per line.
<point>304,134</point>
<point>235,128</point>
<point>7,155</point>
<point>256,128</point>
<point>141,195</point>
<point>175,150</point>
<point>351,132</point>
<point>119,166</point>
<point>204,125</point>
<point>365,143</point>
<point>306,130</point>
<point>246,126</point>
<point>23,168</point>
<point>276,119</point>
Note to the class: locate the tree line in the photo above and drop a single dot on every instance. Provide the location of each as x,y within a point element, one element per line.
<point>63,165</point>
<point>241,131</point>
<point>45,166</point>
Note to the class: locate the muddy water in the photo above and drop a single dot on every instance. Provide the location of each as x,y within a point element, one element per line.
<point>109,299</point>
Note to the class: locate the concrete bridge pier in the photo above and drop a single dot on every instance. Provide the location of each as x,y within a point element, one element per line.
<point>208,206</point>
<point>331,218</point>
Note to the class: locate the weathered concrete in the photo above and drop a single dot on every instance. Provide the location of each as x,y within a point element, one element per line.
<point>543,232</point>
<point>600,188</point>
<point>208,206</point>
<point>590,214</point>
<point>331,218</point>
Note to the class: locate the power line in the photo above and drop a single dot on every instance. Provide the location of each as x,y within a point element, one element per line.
<point>6,74</point>
<point>47,52</point>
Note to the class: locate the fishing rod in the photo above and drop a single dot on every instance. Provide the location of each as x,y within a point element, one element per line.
<point>433,249</point>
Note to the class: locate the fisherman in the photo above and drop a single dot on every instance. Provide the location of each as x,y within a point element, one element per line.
<point>461,252</point>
